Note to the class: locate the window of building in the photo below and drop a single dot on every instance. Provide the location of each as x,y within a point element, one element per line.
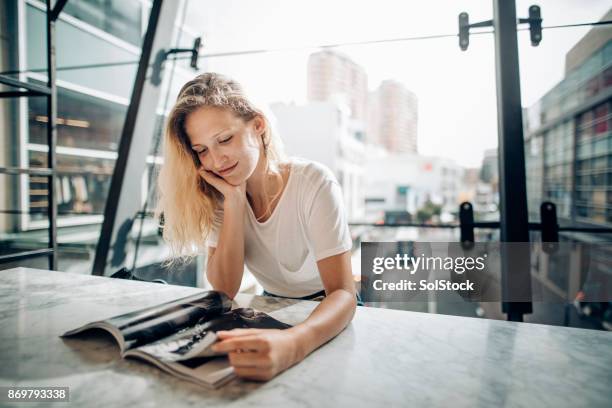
<point>121,18</point>
<point>88,131</point>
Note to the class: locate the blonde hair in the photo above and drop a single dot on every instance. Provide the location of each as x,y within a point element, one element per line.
<point>185,202</point>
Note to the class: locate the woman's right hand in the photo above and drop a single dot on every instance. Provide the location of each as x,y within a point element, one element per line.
<point>229,191</point>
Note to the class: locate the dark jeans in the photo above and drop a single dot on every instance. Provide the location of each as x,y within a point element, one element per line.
<point>314,296</point>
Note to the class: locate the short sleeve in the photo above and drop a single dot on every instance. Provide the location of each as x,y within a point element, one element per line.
<point>213,235</point>
<point>326,224</point>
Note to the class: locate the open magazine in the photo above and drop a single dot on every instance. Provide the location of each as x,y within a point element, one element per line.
<point>176,336</point>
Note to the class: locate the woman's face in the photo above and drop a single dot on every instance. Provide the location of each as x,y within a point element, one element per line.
<point>225,144</point>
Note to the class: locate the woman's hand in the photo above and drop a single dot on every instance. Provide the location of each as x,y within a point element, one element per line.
<point>259,354</point>
<point>228,190</point>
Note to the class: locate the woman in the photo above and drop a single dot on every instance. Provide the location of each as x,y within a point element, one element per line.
<point>226,186</point>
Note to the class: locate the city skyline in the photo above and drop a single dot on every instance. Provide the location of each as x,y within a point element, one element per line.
<point>388,115</point>
<point>454,85</point>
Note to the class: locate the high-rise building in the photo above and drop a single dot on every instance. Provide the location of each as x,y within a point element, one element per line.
<point>569,136</point>
<point>389,113</point>
<point>393,117</point>
<point>333,76</point>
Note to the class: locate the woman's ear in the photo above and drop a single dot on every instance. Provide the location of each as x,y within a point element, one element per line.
<point>259,125</point>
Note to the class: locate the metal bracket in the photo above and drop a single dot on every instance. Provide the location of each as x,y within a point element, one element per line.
<point>534,21</point>
<point>162,56</point>
<point>550,228</point>
<point>466,222</point>
<point>535,25</point>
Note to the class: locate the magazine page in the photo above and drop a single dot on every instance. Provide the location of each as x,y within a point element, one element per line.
<point>162,321</point>
<point>187,354</point>
<point>196,341</point>
<point>153,323</point>
<point>210,372</point>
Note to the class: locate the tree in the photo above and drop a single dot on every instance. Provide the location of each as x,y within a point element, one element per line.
<point>428,211</point>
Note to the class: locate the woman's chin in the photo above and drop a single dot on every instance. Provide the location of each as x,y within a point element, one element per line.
<point>233,181</point>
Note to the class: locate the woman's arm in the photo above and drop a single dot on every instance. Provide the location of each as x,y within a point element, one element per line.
<point>334,312</point>
<point>225,264</point>
<point>262,354</point>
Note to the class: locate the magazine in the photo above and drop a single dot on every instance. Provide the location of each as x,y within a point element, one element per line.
<point>177,336</point>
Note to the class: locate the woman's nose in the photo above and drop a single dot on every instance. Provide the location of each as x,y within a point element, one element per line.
<point>219,160</point>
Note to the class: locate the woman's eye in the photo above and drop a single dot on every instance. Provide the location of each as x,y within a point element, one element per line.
<point>200,152</point>
<point>227,139</point>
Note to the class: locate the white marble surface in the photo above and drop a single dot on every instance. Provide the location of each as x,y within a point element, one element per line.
<point>384,358</point>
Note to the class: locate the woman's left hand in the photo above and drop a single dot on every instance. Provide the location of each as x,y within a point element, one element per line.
<point>258,354</point>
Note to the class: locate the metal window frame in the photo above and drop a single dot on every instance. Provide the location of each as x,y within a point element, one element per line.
<point>50,92</point>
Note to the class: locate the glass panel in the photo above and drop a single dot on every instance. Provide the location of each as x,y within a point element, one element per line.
<point>121,18</point>
<point>88,131</point>
<point>82,183</point>
<point>567,126</point>
<point>379,121</point>
<point>83,122</point>
<point>24,221</point>
<point>326,115</point>
<point>568,155</point>
<point>106,66</point>
<point>409,128</point>
<point>9,138</point>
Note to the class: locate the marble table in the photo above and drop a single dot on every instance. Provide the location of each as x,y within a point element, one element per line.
<point>384,358</point>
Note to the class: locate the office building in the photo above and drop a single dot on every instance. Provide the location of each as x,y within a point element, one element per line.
<point>105,38</point>
<point>569,136</point>
<point>568,151</point>
<point>393,117</point>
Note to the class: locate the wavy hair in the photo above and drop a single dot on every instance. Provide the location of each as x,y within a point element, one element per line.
<point>186,204</point>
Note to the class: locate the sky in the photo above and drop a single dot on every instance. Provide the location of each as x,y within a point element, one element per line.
<point>455,89</point>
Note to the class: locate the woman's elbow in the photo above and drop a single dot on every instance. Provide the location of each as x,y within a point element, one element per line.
<point>230,290</point>
<point>218,284</point>
<point>353,306</point>
<point>350,294</point>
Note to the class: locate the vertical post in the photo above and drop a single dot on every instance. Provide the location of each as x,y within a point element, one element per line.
<point>51,136</point>
<point>548,220</point>
<point>550,228</point>
<point>466,223</point>
<point>121,208</point>
<point>516,274</point>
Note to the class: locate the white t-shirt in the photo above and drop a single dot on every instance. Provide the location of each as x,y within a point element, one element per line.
<point>307,225</point>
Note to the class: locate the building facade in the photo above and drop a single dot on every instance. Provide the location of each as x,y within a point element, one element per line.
<point>569,137</point>
<point>98,47</point>
<point>333,76</point>
<point>393,117</point>
<point>407,181</point>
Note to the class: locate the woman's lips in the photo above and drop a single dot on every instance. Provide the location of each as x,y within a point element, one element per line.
<point>228,170</point>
